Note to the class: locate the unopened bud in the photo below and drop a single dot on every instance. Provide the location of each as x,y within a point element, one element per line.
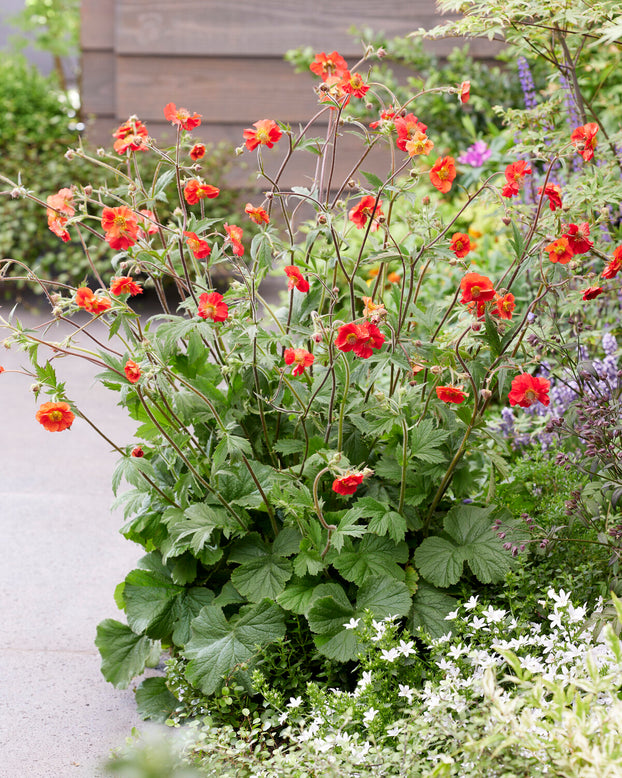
<point>317,337</point>
<point>369,106</point>
<point>351,184</point>
<point>425,200</point>
<point>414,173</point>
<point>506,220</point>
<point>239,151</point>
<point>17,192</point>
<point>436,370</point>
<point>454,261</point>
<point>381,53</point>
<point>70,154</point>
<point>321,218</point>
<point>476,326</point>
<point>485,394</point>
<point>101,152</point>
<point>138,452</point>
<point>88,190</point>
<point>34,388</point>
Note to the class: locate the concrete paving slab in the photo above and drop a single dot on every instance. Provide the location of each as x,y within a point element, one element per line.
<point>60,558</point>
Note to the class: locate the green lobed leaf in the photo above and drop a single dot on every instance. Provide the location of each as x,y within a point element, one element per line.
<point>440,561</point>
<point>154,701</point>
<point>124,653</point>
<point>262,577</point>
<point>429,608</point>
<point>370,557</point>
<point>217,646</point>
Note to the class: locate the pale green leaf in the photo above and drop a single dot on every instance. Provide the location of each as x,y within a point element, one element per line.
<point>123,652</point>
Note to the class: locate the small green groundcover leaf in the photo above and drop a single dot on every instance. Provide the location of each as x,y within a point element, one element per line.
<point>154,700</point>
<point>124,653</point>
<point>218,646</point>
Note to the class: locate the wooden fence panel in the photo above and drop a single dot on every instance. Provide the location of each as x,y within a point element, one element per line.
<point>247,28</point>
<point>97,30</point>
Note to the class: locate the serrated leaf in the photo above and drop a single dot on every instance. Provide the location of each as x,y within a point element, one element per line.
<point>429,608</point>
<point>297,596</point>
<point>154,701</point>
<point>286,447</point>
<point>425,441</point>
<point>328,614</point>
<point>371,557</point>
<point>149,603</point>
<point>262,577</point>
<point>308,560</point>
<point>440,561</point>
<point>390,523</point>
<point>373,180</point>
<point>188,608</point>
<point>217,646</point>
<point>341,646</point>
<point>124,653</point>
<point>383,597</point>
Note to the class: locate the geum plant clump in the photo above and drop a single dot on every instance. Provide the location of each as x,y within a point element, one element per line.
<point>296,468</point>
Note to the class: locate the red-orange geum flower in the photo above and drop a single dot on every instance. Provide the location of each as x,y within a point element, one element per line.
<point>197,151</point>
<point>559,251</point>
<point>465,91</point>
<point>85,298</point>
<point>353,84</point>
<point>180,117</point>
<point>348,483</point>
<point>125,285</point>
<point>577,237</point>
<point>146,223</point>
<point>121,227</point>
<point>212,306</point>
<point>60,208</point>
<point>257,214</point>
<point>200,248</point>
<point>366,209</point>
<point>476,288</point>
<point>362,339</point>
<point>137,451</point>
<point>295,279</point>
<point>418,145</point>
<point>387,117</point>
<point>614,266</point>
<point>451,394</point>
<point>266,133</point>
<point>326,65</point>
<point>504,306</point>
<point>300,358</point>
<point>407,128</point>
<point>515,177</point>
<point>460,244</point>
<point>592,291</point>
<point>554,193</point>
<point>583,138</point>
<point>527,389</point>
<point>131,135</point>
<point>443,173</point>
<point>235,238</point>
<point>196,190</point>
<point>55,417</point>
<point>132,371</point>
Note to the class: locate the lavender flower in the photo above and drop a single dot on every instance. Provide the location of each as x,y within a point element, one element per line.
<point>526,82</point>
<point>475,155</point>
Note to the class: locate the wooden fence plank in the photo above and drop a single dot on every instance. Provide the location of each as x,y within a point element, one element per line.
<point>223,90</point>
<point>98,82</point>
<point>97,28</point>
<point>246,28</point>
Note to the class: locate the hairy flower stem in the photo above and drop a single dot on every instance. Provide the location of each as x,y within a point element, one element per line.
<point>187,462</point>
<point>318,509</point>
<point>342,409</point>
